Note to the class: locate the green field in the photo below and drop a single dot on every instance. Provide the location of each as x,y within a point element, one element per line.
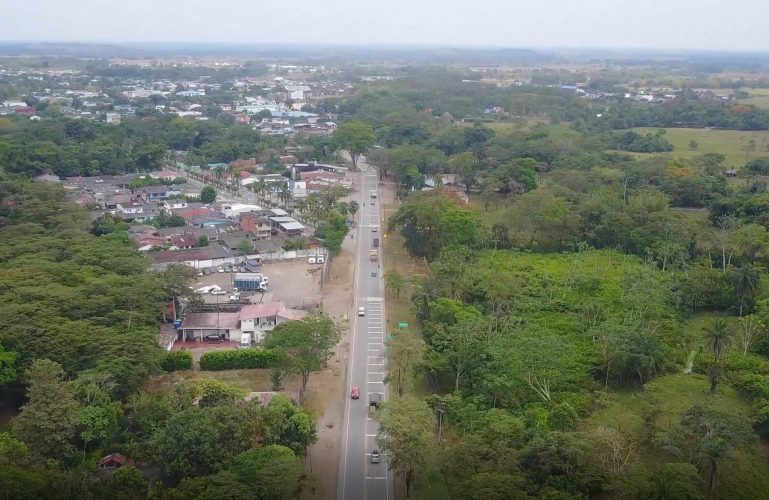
<point>759,97</point>
<point>731,143</point>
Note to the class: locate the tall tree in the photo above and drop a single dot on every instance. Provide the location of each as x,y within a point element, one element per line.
<point>404,352</point>
<point>47,422</point>
<point>745,281</point>
<point>394,282</point>
<point>306,345</point>
<point>718,337</point>
<point>354,137</point>
<point>406,435</point>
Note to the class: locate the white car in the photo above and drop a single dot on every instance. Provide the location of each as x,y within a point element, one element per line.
<point>218,292</point>
<point>219,269</point>
<point>361,311</point>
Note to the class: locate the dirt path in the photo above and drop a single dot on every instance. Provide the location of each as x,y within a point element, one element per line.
<point>326,390</point>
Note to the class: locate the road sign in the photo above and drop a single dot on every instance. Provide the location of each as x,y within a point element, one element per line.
<point>403,325</point>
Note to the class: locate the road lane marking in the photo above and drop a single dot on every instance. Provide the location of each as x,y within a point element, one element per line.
<point>375,477</point>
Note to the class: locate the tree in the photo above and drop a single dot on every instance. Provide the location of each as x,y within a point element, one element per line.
<point>305,345</point>
<point>270,472</point>
<point>203,241</point>
<point>394,282</point>
<point>126,483</point>
<point>352,208</point>
<point>404,352</point>
<point>199,441</point>
<point>245,247</point>
<point>745,281</point>
<point>356,138</point>
<point>718,337</point>
<point>208,193</point>
<point>751,329</point>
<point>47,422</point>
<point>693,145</point>
<point>286,424</point>
<point>406,435</point>
<point>673,481</point>
<point>7,366</point>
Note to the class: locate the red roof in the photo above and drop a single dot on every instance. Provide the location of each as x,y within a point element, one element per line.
<point>113,457</point>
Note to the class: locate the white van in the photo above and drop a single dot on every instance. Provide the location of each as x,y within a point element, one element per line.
<point>320,259</point>
<point>311,259</point>
<point>245,341</point>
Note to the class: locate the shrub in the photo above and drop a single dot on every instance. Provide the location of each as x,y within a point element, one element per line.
<point>179,360</point>
<point>239,359</point>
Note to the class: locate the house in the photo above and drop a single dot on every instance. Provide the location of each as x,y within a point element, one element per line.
<point>183,241</point>
<point>191,93</point>
<point>164,175</point>
<point>112,461</point>
<point>258,319</point>
<point>233,210</point>
<point>287,225</point>
<point>197,258</point>
<point>197,326</point>
<point>257,225</point>
<point>113,118</point>
<point>112,201</point>
<point>155,193</point>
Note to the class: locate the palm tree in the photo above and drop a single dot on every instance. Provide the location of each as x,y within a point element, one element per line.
<point>745,282</point>
<point>718,337</point>
<point>353,208</point>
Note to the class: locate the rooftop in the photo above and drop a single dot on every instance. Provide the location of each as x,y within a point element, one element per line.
<point>211,320</point>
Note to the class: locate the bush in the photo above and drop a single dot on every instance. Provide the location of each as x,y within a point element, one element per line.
<point>179,360</point>
<point>239,359</point>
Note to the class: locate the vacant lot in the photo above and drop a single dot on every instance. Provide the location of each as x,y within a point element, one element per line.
<point>734,144</point>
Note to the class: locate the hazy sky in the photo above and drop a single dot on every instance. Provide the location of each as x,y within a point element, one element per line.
<point>677,24</point>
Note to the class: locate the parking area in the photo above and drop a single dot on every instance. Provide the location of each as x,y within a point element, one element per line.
<point>294,282</point>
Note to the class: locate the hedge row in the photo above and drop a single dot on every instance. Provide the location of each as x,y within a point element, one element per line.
<point>239,359</point>
<point>178,360</point>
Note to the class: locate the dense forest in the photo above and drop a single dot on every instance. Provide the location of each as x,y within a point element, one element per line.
<point>591,323</point>
<point>78,330</point>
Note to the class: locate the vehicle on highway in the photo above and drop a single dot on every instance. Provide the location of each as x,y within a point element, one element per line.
<point>373,273</point>
<point>355,392</point>
<point>374,229</point>
<point>219,292</point>
<point>375,457</point>
<point>361,311</point>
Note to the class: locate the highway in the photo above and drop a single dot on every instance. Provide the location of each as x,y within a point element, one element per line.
<point>358,478</point>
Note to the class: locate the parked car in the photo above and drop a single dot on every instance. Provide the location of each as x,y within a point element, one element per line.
<point>375,457</point>
<point>212,338</point>
<point>200,273</point>
<point>219,292</point>
<point>355,392</point>
<point>206,271</point>
<point>219,269</point>
<point>361,311</point>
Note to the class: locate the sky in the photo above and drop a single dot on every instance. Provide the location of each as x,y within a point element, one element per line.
<point>654,24</point>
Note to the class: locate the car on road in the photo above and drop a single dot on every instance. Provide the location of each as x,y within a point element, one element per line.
<point>376,457</point>
<point>374,229</point>
<point>355,392</point>
<point>361,311</point>
<point>373,273</point>
<point>219,292</point>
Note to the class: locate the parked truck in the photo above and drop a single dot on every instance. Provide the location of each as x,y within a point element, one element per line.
<point>250,281</point>
<point>373,255</point>
<point>376,242</point>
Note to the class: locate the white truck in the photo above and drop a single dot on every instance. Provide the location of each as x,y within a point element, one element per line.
<point>373,193</point>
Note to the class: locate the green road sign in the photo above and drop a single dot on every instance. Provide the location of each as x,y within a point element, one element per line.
<point>403,325</point>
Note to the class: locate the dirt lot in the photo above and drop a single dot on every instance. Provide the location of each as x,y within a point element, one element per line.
<point>294,282</point>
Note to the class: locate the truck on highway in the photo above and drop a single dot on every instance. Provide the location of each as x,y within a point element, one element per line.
<point>373,255</point>
<point>373,193</point>
<point>375,399</point>
<point>376,242</point>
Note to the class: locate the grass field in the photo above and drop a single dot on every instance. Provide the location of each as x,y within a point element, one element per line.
<point>743,475</point>
<point>730,143</point>
<point>759,97</point>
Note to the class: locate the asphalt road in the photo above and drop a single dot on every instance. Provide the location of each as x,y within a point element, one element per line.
<point>358,478</point>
